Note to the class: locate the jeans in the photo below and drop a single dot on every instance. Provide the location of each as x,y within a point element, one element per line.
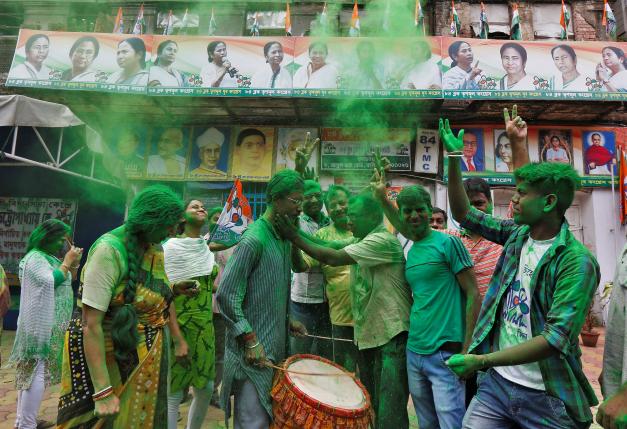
<point>249,413</point>
<point>316,319</point>
<point>29,401</point>
<point>501,404</point>
<point>344,353</point>
<point>197,410</point>
<point>385,378</point>
<point>437,393</point>
<point>220,332</point>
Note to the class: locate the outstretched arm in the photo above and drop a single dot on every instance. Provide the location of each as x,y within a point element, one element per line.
<point>378,186</point>
<point>457,197</point>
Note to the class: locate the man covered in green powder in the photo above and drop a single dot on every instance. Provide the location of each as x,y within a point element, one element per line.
<point>381,302</point>
<point>308,303</point>
<point>526,337</point>
<point>253,297</point>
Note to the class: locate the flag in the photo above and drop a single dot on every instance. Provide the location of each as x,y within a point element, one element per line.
<point>419,17</point>
<point>213,26</point>
<point>515,33</point>
<point>288,20</point>
<point>484,27</point>
<point>254,30</point>
<point>118,27</point>
<point>139,22</point>
<point>609,21</point>
<point>564,21</point>
<point>234,219</point>
<point>167,29</point>
<point>622,186</point>
<point>324,18</point>
<point>184,23</point>
<point>456,25</point>
<point>386,17</point>
<point>355,27</point>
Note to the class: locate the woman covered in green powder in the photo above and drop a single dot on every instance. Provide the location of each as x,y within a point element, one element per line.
<point>115,361</point>
<point>188,257</point>
<point>46,301</point>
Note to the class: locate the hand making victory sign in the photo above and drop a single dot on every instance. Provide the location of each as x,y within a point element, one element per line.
<point>452,144</point>
<point>303,153</point>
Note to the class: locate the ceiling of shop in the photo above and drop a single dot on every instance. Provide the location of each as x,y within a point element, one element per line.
<point>101,109</point>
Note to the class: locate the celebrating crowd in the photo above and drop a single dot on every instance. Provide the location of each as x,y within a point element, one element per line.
<point>479,326</point>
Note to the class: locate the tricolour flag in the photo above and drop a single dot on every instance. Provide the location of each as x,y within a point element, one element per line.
<point>169,24</point>
<point>515,33</point>
<point>355,27</point>
<point>254,30</point>
<point>564,21</point>
<point>484,27</point>
<point>213,26</point>
<point>118,27</point>
<point>324,18</point>
<point>288,19</point>
<point>609,21</point>
<point>234,219</point>
<point>419,17</point>
<point>184,23</point>
<point>456,24</point>
<point>138,28</point>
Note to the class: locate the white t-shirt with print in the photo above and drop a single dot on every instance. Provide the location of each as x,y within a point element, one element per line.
<point>515,315</point>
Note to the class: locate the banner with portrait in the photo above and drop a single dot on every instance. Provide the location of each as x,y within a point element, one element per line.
<point>252,153</point>
<point>20,216</point>
<point>478,68</point>
<point>592,151</point>
<point>352,149</point>
<point>290,139</point>
<point>81,61</point>
<point>363,67</point>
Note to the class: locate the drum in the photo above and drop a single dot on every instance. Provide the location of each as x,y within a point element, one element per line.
<point>314,393</point>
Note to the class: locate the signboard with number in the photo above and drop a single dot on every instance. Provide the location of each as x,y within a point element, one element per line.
<point>427,151</point>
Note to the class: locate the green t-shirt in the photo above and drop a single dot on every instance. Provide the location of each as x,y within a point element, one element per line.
<point>438,312</point>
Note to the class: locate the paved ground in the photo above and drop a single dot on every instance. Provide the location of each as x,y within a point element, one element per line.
<point>592,361</point>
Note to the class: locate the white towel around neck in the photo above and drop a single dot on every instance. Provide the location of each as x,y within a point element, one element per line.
<point>187,258</point>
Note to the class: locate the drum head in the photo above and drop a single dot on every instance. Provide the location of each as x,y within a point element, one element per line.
<point>337,390</point>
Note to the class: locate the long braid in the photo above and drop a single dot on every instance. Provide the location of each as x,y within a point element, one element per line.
<point>153,209</point>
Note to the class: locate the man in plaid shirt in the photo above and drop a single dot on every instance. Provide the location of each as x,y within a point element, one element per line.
<point>526,337</point>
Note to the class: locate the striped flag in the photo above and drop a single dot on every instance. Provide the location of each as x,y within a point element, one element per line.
<point>234,219</point>
<point>184,23</point>
<point>167,29</point>
<point>254,30</point>
<point>483,23</point>
<point>288,19</point>
<point>564,21</point>
<point>419,17</point>
<point>138,28</point>
<point>609,21</point>
<point>324,18</point>
<point>355,27</point>
<point>456,25</point>
<point>213,26</point>
<point>515,33</point>
<point>118,27</point>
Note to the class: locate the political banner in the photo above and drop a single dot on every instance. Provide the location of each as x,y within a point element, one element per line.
<point>364,67</point>
<point>234,219</point>
<point>479,68</point>
<point>427,154</point>
<point>20,216</point>
<point>353,148</point>
<point>592,151</point>
<point>81,61</point>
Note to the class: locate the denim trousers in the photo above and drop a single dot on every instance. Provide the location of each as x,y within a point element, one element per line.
<point>501,404</point>
<point>437,393</point>
<point>316,319</point>
<point>385,377</point>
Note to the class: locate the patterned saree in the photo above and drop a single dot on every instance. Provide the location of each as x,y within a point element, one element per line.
<point>140,382</point>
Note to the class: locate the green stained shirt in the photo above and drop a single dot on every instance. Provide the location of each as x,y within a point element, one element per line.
<point>563,284</point>
<point>438,314</point>
<point>380,296</point>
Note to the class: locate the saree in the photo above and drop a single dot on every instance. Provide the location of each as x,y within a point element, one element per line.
<point>140,382</point>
